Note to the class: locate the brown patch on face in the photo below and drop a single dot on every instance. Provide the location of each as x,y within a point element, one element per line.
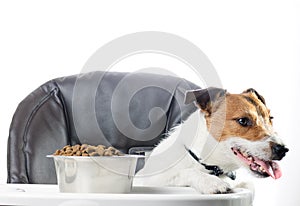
<point>240,115</point>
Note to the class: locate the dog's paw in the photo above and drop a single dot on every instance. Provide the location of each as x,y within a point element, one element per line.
<point>246,185</point>
<point>212,185</point>
<point>202,182</point>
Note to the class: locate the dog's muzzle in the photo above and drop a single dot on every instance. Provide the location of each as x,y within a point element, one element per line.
<point>278,151</point>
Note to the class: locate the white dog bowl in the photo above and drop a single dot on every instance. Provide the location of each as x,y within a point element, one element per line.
<point>101,174</point>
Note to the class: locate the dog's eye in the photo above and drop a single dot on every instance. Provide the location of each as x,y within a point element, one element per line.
<point>244,121</point>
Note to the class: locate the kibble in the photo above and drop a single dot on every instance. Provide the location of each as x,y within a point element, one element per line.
<point>88,150</point>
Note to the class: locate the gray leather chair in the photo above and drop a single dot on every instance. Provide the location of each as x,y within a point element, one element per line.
<point>126,110</point>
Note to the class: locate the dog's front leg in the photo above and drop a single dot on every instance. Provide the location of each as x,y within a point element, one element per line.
<point>200,181</point>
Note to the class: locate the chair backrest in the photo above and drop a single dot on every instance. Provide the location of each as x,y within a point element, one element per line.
<point>125,110</point>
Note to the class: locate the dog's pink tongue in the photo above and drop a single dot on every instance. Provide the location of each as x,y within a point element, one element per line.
<point>276,170</point>
<point>272,168</point>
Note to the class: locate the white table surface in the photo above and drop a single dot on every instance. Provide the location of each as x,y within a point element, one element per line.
<point>44,195</point>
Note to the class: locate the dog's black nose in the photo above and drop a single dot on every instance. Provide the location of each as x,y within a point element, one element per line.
<point>278,151</point>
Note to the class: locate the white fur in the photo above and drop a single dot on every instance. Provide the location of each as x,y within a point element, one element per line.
<point>170,165</point>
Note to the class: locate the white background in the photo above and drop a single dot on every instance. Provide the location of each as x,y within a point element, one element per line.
<point>251,44</point>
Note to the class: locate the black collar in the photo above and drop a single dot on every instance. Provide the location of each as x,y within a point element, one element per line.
<point>214,169</point>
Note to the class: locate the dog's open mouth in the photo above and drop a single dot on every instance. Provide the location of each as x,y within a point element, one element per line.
<point>260,167</point>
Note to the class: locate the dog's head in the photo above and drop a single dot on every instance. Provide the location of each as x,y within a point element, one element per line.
<point>242,123</point>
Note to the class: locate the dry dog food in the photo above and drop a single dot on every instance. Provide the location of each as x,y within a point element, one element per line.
<point>88,150</point>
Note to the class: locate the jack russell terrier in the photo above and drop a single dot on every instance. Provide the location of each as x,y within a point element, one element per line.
<point>229,132</point>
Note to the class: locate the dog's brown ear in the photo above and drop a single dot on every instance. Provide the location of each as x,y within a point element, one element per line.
<point>204,97</point>
<point>261,98</point>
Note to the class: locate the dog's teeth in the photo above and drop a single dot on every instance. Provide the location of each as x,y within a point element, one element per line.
<point>244,154</point>
<point>262,169</point>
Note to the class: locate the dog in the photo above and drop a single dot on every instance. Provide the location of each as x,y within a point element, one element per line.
<point>233,131</point>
